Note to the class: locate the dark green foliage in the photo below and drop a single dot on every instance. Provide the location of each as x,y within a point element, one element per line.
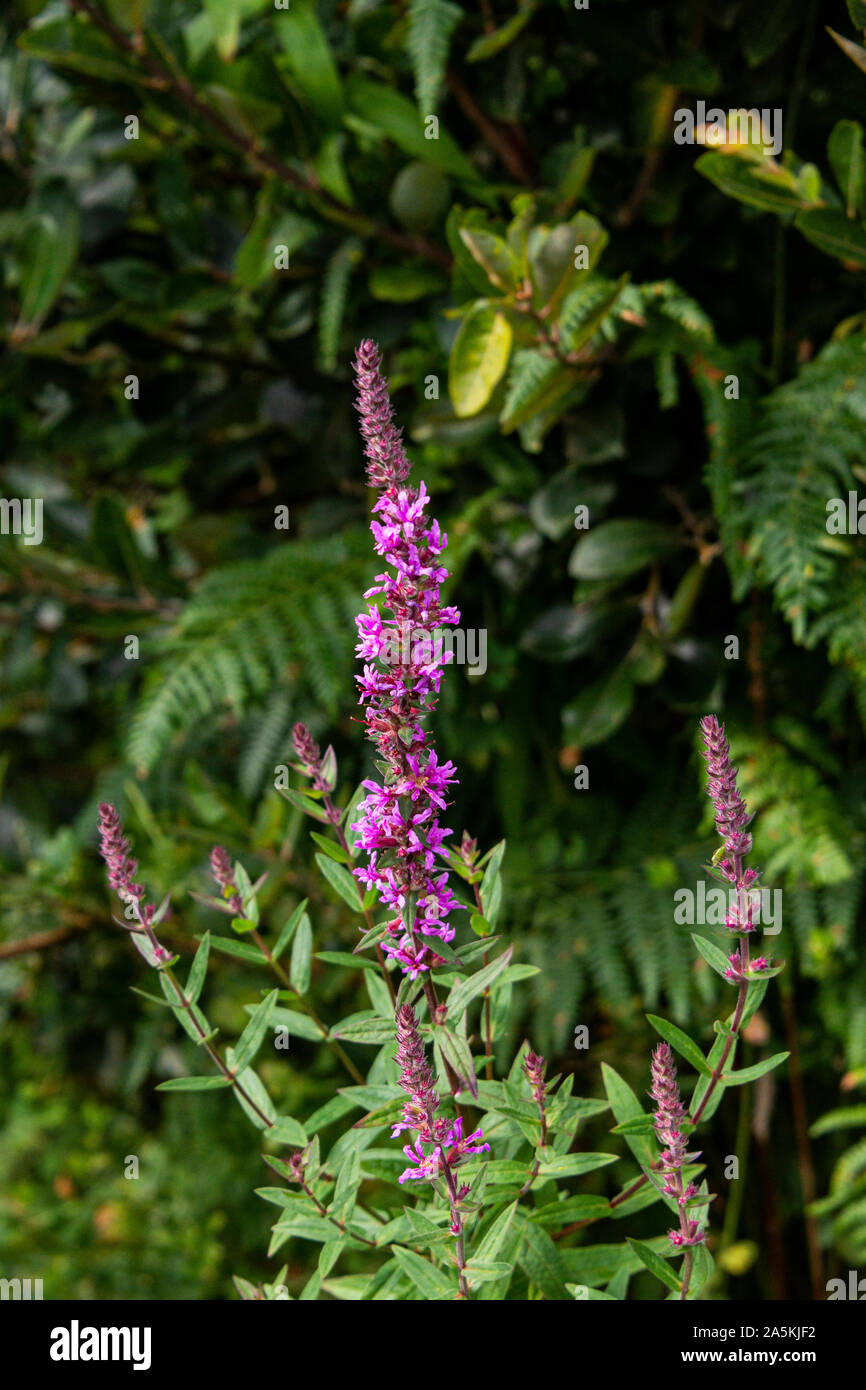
<point>179,313</point>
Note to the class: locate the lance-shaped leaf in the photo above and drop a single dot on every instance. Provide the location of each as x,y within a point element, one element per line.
<point>542,1263</point>
<point>427,1279</point>
<point>655,1264</point>
<point>466,990</point>
<point>302,955</point>
<point>682,1043</point>
<point>194,1083</point>
<point>289,930</point>
<point>198,969</point>
<point>252,1037</point>
<point>740,1078</point>
<point>341,881</point>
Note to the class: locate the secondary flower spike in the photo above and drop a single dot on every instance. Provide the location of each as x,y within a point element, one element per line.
<point>450,1149</point>
<point>669,1118</point>
<point>403,659</point>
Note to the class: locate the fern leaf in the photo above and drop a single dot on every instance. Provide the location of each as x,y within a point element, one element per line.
<point>431,24</point>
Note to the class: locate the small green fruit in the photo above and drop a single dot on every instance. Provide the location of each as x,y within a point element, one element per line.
<point>420,196</point>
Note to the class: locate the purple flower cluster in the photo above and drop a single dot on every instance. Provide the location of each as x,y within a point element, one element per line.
<point>450,1149</point>
<point>669,1118</point>
<point>116,851</point>
<point>399,826</point>
<point>221,868</point>
<point>732,821</point>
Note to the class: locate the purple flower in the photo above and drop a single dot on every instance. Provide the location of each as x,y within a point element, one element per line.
<point>115,850</point>
<point>403,658</point>
<point>533,1069</point>
<point>450,1149</point>
<point>669,1119</point>
<point>221,868</point>
<point>731,815</point>
<point>732,821</point>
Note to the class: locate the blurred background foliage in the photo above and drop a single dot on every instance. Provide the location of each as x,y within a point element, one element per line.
<point>204,207</point>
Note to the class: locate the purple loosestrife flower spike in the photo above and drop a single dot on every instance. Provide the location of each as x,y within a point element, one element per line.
<point>307,749</point>
<point>731,816</point>
<point>450,1149</point>
<point>221,868</point>
<point>732,821</point>
<point>669,1119</point>
<point>533,1069</point>
<point>403,659</point>
<point>115,850</point>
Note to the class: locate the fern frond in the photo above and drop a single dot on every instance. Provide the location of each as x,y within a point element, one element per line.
<point>431,24</point>
<point>332,305</point>
<point>284,620</point>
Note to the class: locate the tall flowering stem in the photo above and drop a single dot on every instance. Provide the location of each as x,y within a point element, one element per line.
<point>439,1146</point>
<point>670,1117</point>
<point>121,871</point>
<point>403,656</point>
<point>732,822</point>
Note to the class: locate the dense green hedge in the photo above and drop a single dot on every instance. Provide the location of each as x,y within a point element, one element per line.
<point>205,206</point>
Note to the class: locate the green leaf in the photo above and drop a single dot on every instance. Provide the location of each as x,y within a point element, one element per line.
<point>431,1282</point>
<point>332,849</point>
<point>763,184</point>
<point>740,1078</point>
<point>855,51</point>
<point>288,1131</point>
<point>48,254</point>
<point>403,284</point>
<point>599,710</point>
<point>574,1165</point>
<point>241,949</point>
<point>850,1117</point>
<point>454,1048</point>
<point>309,59</point>
<point>482,1271</point>
<point>366,1029</point>
<point>478,358</point>
<point>304,803</point>
<point>537,383</point>
<point>194,1083</point>
<point>341,881</point>
<point>398,119</point>
<point>288,930</point>
<point>298,1025</point>
<point>466,990</point>
<point>681,1042</point>
<point>494,255</point>
<point>832,232</point>
<point>346,958</point>
<point>428,39</point>
<point>845,152</point>
<point>488,45</point>
<point>542,1263</point>
<point>302,953</point>
<point>491,1242</point>
<point>713,955</point>
<point>618,549</point>
<point>626,1106</point>
<point>655,1264</point>
<point>253,1034</point>
<point>552,256</point>
<point>491,885</point>
<point>198,970</point>
<point>346,1189</point>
